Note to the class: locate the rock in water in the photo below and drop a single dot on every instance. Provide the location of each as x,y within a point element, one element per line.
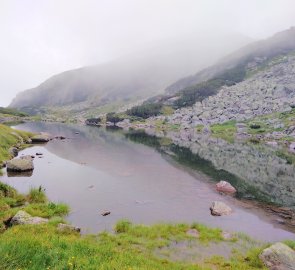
<point>225,187</point>
<point>106,213</point>
<point>41,138</point>
<point>278,257</point>
<point>20,165</point>
<point>23,217</point>
<point>220,209</point>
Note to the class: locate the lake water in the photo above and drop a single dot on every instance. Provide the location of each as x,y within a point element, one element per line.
<point>96,170</point>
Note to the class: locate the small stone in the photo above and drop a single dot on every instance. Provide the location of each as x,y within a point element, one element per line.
<point>220,209</point>
<point>193,233</point>
<point>106,213</point>
<point>226,235</point>
<point>226,187</point>
<point>13,151</point>
<point>61,227</point>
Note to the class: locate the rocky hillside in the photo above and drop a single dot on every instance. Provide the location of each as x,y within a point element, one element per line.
<point>109,86</point>
<point>270,89</point>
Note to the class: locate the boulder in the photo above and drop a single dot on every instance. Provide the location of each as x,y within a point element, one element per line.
<point>225,187</point>
<point>61,227</point>
<point>278,257</point>
<point>220,209</point>
<point>20,165</point>
<point>22,218</point>
<point>41,138</point>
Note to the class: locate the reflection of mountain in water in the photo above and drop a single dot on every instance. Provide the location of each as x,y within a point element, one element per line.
<point>255,170</point>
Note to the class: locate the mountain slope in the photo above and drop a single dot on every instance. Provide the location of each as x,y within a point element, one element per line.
<point>126,80</point>
<point>280,43</point>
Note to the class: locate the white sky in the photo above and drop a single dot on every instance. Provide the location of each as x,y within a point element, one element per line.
<point>39,38</point>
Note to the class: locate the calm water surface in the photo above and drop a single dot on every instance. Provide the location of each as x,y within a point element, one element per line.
<point>98,170</point>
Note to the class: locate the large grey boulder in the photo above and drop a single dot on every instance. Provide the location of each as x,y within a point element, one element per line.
<point>278,257</point>
<point>20,165</point>
<point>22,218</point>
<point>220,209</point>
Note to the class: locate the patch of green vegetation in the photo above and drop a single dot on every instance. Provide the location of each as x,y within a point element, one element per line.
<point>290,158</point>
<point>167,110</point>
<point>199,128</point>
<point>200,91</point>
<point>11,111</point>
<point>34,203</point>
<point>224,131</point>
<point>146,110</point>
<point>47,210</point>
<point>37,195</point>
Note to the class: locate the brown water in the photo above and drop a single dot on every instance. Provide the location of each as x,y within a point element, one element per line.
<point>97,170</point>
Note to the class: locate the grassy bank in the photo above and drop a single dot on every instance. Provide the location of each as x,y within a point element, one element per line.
<point>10,137</point>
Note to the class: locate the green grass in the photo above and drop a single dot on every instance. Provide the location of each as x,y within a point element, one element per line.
<point>131,247</point>
<point>37,195</point>
<point>224,131</point>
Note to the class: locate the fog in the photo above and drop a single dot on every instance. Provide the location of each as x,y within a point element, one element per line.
<point>42,38</point>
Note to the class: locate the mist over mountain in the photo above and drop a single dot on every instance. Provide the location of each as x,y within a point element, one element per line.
<point>280,43</point>
<point>128,79</point>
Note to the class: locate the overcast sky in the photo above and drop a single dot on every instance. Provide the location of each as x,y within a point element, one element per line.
<point>40,38</point>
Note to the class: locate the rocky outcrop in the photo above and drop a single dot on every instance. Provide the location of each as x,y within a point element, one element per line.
<point>22,218</point>
<point>220,209</point>
<point>278,257</point>
<point>20,165</point>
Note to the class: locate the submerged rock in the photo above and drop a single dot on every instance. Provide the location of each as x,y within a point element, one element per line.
<point>20,165</point>
<point>225,187</point>
<point>23,217</point>
<point>278,257</point>
<point>220,209</point>
<point>61,227</point>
